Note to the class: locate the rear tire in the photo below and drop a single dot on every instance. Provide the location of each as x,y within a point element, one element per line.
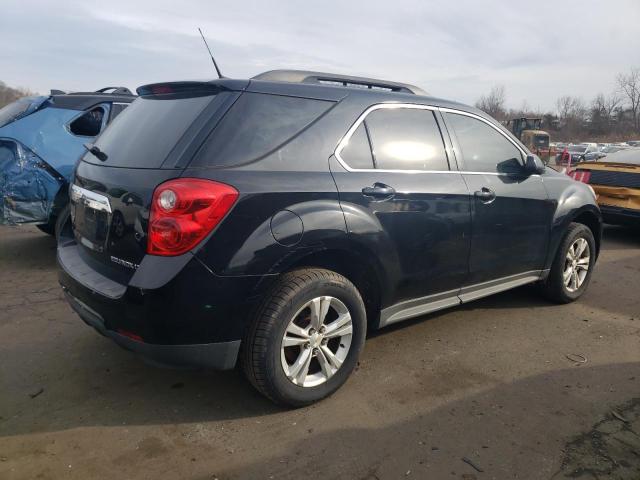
<point>48,228</point>
<point>62,221</point>
<point>573,265</point>
<point>285,337</point>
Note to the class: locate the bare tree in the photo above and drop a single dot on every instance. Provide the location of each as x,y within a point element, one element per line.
<point>606,105</point>
<point>603,110</point>
<point>629,87</point>
<point>493,103</point>
<point>571,109</point>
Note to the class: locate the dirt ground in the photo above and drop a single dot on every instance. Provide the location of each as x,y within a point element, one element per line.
<point>484,391</point>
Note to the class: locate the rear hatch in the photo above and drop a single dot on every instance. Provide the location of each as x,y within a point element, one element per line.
<point>149,143</point>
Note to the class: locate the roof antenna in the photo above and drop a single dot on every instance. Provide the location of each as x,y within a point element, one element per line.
<point>210,54</point>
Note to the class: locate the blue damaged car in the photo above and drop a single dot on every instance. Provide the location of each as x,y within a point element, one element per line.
<point>41,138</point>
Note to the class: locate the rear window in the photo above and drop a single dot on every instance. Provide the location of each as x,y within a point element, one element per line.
<point>14,110</point>
<point>541,141</point>
<point>257,125</point>
<point>144,135</point>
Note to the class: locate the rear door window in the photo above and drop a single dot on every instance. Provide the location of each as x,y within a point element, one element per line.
<point>483,148</point>
<point>144,137</point>
<point>397,139</point>
<point>406,139</point>
<point>357,152</point>
<point>256,125</point>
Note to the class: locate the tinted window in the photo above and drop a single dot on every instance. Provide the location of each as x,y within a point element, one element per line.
<point>13,111</point>
<point>88,124</point>
<point>357,153</point>
<point>117,109</point>
<point>256,125</point>
<point>148,132</point>
<point>484,149</point>
<point>406,139</point>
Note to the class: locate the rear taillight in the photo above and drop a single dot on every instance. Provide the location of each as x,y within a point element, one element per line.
<point>184,211</point>
<point>581,175</point>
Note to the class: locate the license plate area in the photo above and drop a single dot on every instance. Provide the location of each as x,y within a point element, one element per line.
<point>91,217</point>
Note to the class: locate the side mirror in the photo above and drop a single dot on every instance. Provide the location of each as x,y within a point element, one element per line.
<point>533,165</point>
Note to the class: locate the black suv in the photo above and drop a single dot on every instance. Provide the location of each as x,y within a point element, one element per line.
<point>277,219</point>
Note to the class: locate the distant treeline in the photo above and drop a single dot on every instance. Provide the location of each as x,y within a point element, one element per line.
<point>607,117</point>
<point>10,94</point>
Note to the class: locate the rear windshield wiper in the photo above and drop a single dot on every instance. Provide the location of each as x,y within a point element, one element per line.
<point>95,151</point>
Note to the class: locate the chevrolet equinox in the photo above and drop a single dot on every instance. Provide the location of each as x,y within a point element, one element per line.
<point>271,222</point>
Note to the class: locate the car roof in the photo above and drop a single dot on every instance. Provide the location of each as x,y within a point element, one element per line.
<point>85,100</point>
<point>629,155</point>
<point>337,80</point>
<point>318,85</point>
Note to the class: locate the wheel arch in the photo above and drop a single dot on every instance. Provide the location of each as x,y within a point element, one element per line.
<point>363,272</point>
<point>593,222</point>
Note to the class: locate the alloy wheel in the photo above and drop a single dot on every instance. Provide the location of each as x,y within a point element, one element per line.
<point>576,265</point>
<point>316,341</point>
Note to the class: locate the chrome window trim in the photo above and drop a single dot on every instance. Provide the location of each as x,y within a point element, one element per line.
<point>347,136</point>
<point>379,106</point>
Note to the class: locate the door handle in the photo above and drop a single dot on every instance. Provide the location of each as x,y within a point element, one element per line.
<point>379,190</point>
<point>485,195</point>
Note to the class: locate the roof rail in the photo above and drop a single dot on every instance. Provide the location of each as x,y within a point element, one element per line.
<point>116,90</point>
<point>302,76</point>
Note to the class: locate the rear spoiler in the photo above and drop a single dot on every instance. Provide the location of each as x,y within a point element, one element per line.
<point>191,88</point>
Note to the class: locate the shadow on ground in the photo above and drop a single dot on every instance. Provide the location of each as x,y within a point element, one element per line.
<point>525,429</point>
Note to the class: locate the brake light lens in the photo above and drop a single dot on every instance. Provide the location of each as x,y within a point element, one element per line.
<point>581,175</point>
<point>184,211</point>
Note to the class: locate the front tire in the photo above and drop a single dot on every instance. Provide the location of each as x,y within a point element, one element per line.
<point>573,265</point>
<point>306,337</point>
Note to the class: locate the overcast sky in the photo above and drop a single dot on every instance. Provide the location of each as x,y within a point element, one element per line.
<point>457,49</point>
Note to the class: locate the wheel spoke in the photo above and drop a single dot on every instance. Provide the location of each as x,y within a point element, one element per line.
<point>581,276</point>
<point>339,327</point>
<point>574,280</point>
<point>327,369</point>
<point>298,371</point>
<point>334,361</point>
<point>581,244</point>
<point>583,263</point>
<point>319,308</point>
<point>566,276</point>
<point>294,329</point>
<point>293,341</point>
<point>340,332</point>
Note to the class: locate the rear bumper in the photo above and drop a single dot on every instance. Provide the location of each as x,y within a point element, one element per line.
<point>619,215</point>
<point>188,317</point>
<point>220,355</point>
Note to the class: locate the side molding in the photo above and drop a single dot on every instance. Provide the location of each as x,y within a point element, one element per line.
<point>421,306</point>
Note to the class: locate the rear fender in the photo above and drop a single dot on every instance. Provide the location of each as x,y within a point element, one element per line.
<point>280,239</point>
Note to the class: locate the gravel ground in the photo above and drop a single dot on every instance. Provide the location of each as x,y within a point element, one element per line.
<point>477,392</point>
